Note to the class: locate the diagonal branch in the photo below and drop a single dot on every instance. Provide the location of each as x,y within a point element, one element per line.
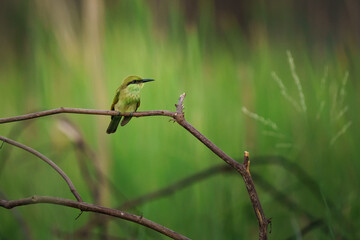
<point>243,169</point>
<point>275,193</point>
<point>163,192</point>
<point>87,207</point>
<point>172,188</point>
<point>48,161</point>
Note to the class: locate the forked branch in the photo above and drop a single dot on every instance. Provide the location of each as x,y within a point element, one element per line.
<point>178,116</point>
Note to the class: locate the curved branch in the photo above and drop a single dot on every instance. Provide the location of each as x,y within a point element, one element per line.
<point>87,207</point>
<point>48,161</point>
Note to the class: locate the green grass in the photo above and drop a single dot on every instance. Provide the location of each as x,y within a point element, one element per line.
<point>221,74</point>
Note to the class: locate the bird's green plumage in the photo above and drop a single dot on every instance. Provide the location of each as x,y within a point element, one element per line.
<point>127,99</point>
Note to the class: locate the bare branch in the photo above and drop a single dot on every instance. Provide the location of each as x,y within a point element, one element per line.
<point>48,161</point>
<point>87,207</point>
<point>84,111</point>
<point>179,117</point>
<point>241,168</point>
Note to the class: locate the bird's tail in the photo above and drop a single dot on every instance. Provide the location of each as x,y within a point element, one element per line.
<point>115,120</point>
<point>125,120</point>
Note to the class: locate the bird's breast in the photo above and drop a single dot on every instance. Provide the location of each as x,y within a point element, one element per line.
<point>127,102</point>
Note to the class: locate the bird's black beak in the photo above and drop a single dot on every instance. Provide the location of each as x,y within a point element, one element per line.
<point>147,80</point>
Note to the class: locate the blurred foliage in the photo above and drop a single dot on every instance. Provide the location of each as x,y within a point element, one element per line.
<point>223,57</point>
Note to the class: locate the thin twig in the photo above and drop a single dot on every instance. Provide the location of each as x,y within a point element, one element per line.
<point>48,161</point>
<point>183,183</point>
<point>163,192</point>
<point>87,207</point>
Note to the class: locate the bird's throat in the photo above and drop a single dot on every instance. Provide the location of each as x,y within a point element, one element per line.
<point>130,95</point>
<point>133,91</point>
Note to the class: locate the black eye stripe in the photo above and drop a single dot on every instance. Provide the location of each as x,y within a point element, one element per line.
<point>133,82</point>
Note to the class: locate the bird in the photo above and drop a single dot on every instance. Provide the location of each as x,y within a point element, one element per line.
<point>127,99</point>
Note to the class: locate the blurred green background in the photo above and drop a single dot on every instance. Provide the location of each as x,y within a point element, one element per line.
<point>227,56</point>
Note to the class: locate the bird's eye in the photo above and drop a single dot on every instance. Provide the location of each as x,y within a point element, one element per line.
<point>132,82</point>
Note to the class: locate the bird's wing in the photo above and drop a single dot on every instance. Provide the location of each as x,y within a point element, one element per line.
<point>127,119</point>
<point>137,106</point>
<point>116,99</point>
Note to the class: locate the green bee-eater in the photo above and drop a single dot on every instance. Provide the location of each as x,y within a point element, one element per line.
<point>127,99</point>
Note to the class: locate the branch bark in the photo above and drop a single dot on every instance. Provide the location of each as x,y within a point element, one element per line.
<point>84,111</point>
<point>179,117</point>
<point>87,207</point>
